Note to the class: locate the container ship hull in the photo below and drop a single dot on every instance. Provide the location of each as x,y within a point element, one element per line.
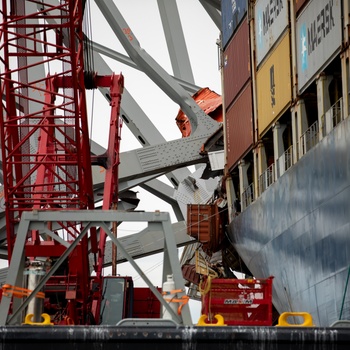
<point>287,149</point>
<point>298,231</point>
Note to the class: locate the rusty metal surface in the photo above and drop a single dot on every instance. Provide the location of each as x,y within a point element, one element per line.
<point>239,126</point>
<point>204,223</point>
<point>298,4</point>
<point>236,63</point>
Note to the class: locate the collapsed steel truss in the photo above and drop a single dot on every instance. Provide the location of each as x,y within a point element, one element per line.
<point>44,129</point>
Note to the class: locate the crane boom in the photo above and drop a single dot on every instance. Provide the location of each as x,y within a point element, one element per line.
<point>44,125</point>
<point>45,140</point>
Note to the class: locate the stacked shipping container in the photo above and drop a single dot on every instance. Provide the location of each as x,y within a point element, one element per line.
<point>236,63</point>
<point>318,38</point>
<point>304,42</point>
<point>237,86</point>
<point>273,81</point>
<point>239,126</point>
<point>317,41</point>
<point>273,77</point>
<point>233,11</point>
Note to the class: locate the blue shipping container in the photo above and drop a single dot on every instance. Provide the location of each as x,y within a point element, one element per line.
<point>232,13</point>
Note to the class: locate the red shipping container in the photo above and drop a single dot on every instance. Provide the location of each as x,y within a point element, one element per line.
<point>239,127</point>
<point>236,63</point>
<point>204,223</point>
<point>298,4</point>
<point>241,302</point>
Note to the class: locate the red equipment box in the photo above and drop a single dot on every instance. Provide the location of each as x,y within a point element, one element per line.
<point>146,305</point>
<point>239,301</point>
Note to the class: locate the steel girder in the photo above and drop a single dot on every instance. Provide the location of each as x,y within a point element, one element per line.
<point>46,222</point>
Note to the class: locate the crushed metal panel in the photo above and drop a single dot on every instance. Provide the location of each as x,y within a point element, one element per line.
<point>217,160</point>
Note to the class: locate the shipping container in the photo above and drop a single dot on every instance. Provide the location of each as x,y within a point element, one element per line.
<point>205,223</point>
<point>236,68</point>
<point>239,126</point>
<point>318,38</point>
<point>273,83</point>
<point>271,19</point>
<point>232,12</point>
<point>298,4</point>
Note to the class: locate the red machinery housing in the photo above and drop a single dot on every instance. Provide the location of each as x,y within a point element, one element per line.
<point>243,302</point>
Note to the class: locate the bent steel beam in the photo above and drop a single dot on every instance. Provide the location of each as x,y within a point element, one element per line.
<point>201,124</point>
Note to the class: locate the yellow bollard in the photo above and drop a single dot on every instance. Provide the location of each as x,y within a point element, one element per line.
<point>218,317</point>
<point>282,320</point>
<point>46,322</point>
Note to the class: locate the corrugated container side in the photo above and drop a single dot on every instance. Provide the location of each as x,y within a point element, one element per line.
<point>318,37</point>
<point>273,80</point>
<point>271,19</point>
<point>298,4</point>
<point>232,13</point>
<point>236,63</point>
<point>239,126</point>
<point>204,222</point>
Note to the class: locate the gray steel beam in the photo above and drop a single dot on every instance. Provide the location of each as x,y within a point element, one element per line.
<point>188,85</point>
<point>140,125</point>
<point>159,189</point>
<point>164,157</point>
<point>17,265</point>
<point>175,40</point>
<point>148,242</point>
<point>144,130</point>
<point>93,218</point>
<point>214,3</point>
<point>214,11</point>
<point>197,118</point>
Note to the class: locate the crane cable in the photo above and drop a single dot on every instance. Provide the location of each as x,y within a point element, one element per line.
<point>89,64</point>
<point>88,47</point>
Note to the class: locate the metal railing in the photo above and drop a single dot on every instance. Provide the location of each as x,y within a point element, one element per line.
<point>309,138</point>
<point>248,196</point>
<point>267,178</point>
<point>332,117</point>
<point>288,158</point>
<point>285,161</point>
<point>307,141</point>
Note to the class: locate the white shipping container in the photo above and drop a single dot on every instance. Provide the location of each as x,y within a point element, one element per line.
<point>318,38</point>
<point>271,19</point>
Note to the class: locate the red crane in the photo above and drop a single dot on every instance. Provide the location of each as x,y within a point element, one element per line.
<point>45,142</point>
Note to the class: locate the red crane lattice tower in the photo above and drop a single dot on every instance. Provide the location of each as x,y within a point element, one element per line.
<point>44,125</point>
